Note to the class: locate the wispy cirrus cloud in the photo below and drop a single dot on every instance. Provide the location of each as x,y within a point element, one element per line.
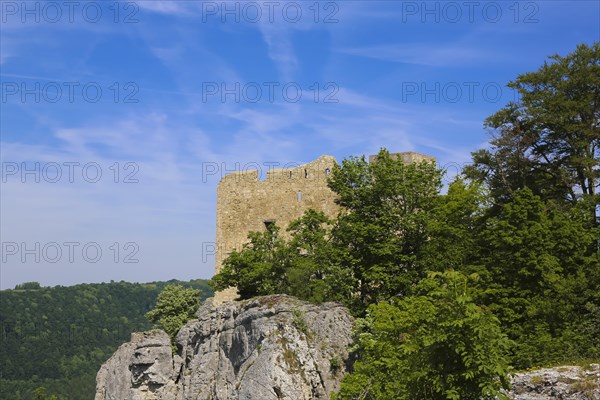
<point>149,192</point>
<point>168,7</point>
<point>426,54</point>
<point>280,49</point>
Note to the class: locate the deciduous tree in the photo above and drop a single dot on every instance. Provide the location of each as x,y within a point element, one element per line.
<point>549,140</point>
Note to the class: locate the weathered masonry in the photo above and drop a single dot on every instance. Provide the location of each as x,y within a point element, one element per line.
<point>245,203</point>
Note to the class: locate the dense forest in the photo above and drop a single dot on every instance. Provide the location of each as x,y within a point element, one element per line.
<point>54,339</point>
<point>455,289</point>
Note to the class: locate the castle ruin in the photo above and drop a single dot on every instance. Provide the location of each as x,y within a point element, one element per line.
<point>246,203</point>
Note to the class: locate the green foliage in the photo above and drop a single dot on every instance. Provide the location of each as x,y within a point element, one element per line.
<point>537,247</point>
<point>308,274</point>
<point>268,264</point>
<point>436,344</point>
<point>57,337</point>
<point>175,306</point>
<point>28,286</point>
<point>540,268</point>
<point>549,141</point>
<point>454,224</point>
<point>335,364</point>
<point>538,265</point>
<point>258,269</point>
<point>299,321</point>
<point>41,394</point>
<point>378,239</point>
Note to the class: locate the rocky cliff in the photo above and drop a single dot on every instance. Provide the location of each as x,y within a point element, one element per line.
<point>273,347</point>
<point>565,383</point>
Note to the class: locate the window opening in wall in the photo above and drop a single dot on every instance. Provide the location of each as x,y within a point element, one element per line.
<point>290,174</point>
<point>327,171</point>
<point>305,173</point>
<point>269,224</point>
<point>299,196</point>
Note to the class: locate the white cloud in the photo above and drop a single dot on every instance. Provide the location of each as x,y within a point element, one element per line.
<point>281,51</point>
<point>169,201</point>
<point>426,54</point>
<point>167,7</point>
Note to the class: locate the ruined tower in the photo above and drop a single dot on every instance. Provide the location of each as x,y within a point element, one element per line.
<point>246,203</point>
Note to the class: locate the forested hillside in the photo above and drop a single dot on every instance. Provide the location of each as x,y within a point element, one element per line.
<point>54,339</point>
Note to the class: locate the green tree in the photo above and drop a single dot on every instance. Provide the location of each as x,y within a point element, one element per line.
<point>538,266</point>
<point>175,306</point>
<point>28,286</point>
<point>435,344</point>
<point>538,251</point>
<point>308,275</point>
<point>380,233</point>
<point>454,225</point>
<point>259,268</point>
<point>270,264</point>
<point>549,140</point>
<point>41,393</point>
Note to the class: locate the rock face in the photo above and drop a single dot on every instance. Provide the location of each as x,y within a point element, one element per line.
<point>138,368</point>
<point>272,347</point>
<point>565,383</point>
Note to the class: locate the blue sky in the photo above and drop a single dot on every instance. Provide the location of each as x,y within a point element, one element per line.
<point>118,119</point>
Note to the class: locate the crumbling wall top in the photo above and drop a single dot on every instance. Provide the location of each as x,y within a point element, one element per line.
<point>318,169</point>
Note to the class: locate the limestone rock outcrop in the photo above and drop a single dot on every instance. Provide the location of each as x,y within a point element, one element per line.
<point>564,383</point>
<point>272,347</point>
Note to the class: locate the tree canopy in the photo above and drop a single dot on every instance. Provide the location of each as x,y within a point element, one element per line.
<point>175,306</point>
<point>549,140</point>
<point>435,344</point>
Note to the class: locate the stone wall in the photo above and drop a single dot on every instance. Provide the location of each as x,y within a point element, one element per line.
<point>245,203</point>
